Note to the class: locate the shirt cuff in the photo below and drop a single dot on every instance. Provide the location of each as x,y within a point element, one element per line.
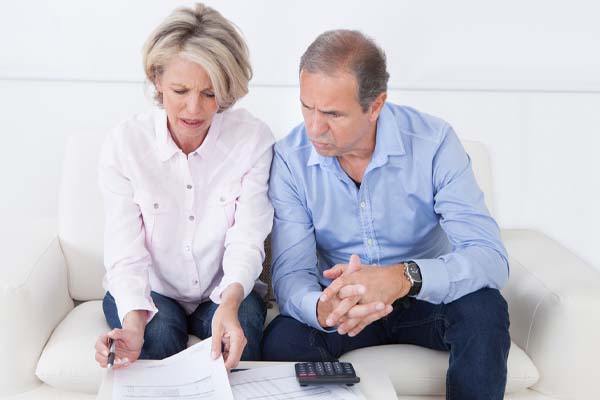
<point>308,305</point>
<point>215,295</point>
<point>435,280</point>
<point>123,307</point>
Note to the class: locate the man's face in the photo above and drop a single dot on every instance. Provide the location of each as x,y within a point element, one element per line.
<point>335,122</point>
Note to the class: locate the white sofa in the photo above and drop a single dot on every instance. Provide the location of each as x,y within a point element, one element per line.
<point>51,310</point>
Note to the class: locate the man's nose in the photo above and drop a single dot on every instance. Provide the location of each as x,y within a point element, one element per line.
<point>316,124</point>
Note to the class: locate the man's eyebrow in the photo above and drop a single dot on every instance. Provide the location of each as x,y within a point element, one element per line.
<point>304,105</point>
<point>329,112</point>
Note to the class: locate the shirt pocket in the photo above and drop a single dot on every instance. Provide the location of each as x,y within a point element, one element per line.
<point>223,203</point>
<point>160,219</point>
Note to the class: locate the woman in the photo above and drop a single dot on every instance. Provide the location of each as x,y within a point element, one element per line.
<point>186,205</point>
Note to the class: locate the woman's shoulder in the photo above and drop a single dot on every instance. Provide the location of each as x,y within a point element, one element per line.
<point>138,124</point>
<point>134,135</point>
<point>240,125</point>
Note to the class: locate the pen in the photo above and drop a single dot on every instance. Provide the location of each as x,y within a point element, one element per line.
<point>111,353</point>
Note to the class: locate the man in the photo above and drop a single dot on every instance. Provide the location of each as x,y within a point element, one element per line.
<point>381,234</point>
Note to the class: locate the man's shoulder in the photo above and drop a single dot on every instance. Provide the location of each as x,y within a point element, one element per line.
<point>295,145</point>
<point>415,125</point>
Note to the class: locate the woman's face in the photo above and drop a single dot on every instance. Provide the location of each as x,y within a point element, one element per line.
<point>188,99</point>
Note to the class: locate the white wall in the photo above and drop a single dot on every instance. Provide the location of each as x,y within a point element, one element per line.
<point>521,77</point>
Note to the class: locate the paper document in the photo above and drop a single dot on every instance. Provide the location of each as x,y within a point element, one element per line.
<point>279,383</point>
<point>190,374</point>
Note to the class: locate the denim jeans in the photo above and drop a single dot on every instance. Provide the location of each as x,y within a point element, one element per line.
<point>167,333</point>
<point>474,329</point>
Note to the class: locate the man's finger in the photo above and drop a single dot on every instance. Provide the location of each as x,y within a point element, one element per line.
<point>363,310</point>
<point>370,319</point>
<point>340,310</point>
<point>351,290</point>
<point>332,290</point>
<point>354,265</point>
<point>334,271</point>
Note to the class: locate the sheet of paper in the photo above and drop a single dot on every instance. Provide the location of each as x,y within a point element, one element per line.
<point>279,383</point>
<point>190,374</point>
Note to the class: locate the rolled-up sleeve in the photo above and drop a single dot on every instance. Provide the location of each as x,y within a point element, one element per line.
<point>125,256</point>
<point>478,258</point>
<point>244,240</point>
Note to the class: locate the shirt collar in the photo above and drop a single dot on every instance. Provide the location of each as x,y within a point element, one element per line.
<point>167,147</point>
<point>387,142</point>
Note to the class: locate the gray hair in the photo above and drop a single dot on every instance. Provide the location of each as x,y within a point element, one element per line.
<point>352,51</point>
<point>202,35</point>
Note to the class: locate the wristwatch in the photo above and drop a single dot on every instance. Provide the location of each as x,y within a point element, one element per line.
<point>412,272</point>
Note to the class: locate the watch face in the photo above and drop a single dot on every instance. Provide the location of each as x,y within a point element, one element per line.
<point>414,271</point>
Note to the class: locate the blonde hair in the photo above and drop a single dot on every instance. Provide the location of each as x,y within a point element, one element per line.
<point>201,35</point>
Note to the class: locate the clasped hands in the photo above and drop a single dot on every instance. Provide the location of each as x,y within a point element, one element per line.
<point>359,295</point>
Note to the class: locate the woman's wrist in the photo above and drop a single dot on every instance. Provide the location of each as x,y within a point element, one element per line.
<point>232,296</point>
<point>135,320</point>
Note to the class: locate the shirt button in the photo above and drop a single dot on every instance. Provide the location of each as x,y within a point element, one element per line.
<point>369,241</point>
<point>191,217</point>
<point>187,248</point>
<point>155,206</point>
<point>195,281</point>
<point>363,204</point>
<point>221,199</point>
<point>189,186</point>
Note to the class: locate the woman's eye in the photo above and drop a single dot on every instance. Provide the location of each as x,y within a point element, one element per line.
<point>180,91</point>
<point>209,95</point>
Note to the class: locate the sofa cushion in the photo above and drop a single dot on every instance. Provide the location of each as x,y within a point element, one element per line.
<point>68,363</point>
<point>415,370</point>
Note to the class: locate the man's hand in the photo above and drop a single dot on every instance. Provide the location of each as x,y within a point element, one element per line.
<point>374,285</point>
<point>349,310</point>
<point>226,328</point>
<point>129,340</point>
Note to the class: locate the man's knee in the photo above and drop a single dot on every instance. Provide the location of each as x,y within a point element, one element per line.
<point>483,312</point>
<point>283,338</point>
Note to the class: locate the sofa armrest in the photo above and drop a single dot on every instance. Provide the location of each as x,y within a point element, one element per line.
<point>34,298</point>
<point>554,305</point>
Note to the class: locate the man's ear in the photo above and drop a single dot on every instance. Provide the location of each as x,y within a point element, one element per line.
<point>376,106</point>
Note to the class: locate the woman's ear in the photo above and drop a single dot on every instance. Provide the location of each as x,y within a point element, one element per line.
<point>158,84</point>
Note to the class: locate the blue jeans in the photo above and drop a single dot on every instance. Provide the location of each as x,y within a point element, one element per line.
<point>474,329</point>
<point>167,333</point>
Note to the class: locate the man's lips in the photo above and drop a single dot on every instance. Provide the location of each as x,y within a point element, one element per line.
<point>320,145</point>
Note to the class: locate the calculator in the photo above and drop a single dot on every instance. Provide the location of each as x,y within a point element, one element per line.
<point>316,373</point>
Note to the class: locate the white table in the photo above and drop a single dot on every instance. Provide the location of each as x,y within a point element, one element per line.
<point>373,385</point>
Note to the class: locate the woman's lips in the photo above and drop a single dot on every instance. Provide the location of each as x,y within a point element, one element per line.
<point>191,123</point>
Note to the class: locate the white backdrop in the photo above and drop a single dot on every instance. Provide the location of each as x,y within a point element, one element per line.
<point>521,77</point>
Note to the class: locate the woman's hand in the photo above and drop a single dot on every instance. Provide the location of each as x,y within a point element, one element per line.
<point>129,341</point>
<point>226,328</point>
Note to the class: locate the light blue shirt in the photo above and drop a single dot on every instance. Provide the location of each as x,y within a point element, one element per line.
<point>418,201</point>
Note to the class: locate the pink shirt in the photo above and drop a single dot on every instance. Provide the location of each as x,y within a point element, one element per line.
<point>184,226</point>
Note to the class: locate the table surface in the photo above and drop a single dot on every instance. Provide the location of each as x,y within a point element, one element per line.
<point>372,385</point>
